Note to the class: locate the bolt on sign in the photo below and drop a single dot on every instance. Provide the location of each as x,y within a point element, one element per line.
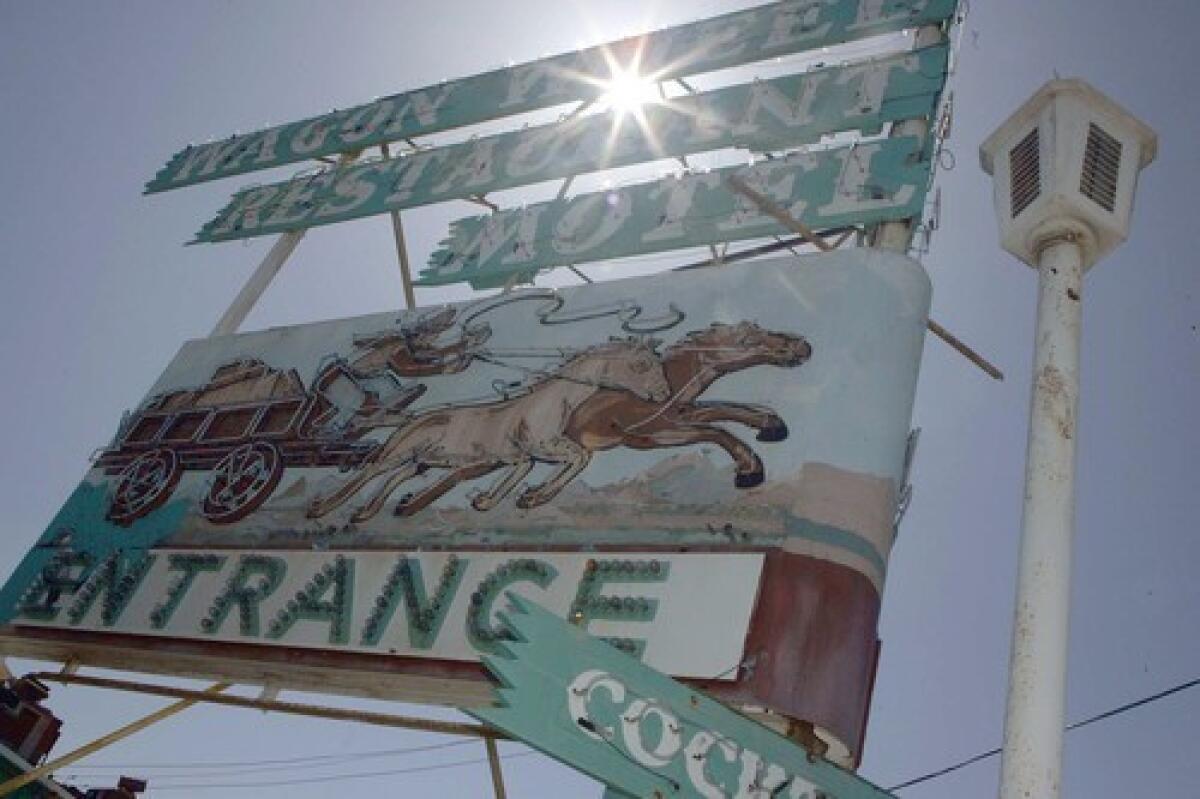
<point>636,730</point>
<point>701,468</point>
<point>769,114</point>
<point>756,34</point>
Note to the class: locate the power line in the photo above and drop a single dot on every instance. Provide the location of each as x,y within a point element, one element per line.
<point>1116,711</point>
<point>283,761</point>
<point>196,786</point>
<point>244,770</point>
<point>1119,710</point>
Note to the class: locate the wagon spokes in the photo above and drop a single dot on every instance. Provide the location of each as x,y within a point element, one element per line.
<point>144,485</point>
<point>242,481</point>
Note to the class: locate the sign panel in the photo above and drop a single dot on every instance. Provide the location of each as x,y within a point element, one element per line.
<point>741,37</point>
<point>779,113</point>
<point>638,731</point>
<point>860,184</point>
<point>644,456</point>
<point>411,604</point>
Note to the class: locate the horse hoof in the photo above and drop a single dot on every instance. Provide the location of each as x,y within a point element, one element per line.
<point>361,516</point>
<point>482,505</point>
<point>527,501</point>
<point>773,432</point>
<point>749,480</point>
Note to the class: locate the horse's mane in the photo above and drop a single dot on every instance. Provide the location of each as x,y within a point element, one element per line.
<point>696,336</point>
<point>616,345</point>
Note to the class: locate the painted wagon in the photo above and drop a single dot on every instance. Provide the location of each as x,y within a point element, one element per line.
<point>245,426</point>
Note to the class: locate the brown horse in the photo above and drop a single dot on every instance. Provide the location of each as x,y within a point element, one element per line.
<point>691,365</point>
<point>608,419</point>
<point>513,433</point>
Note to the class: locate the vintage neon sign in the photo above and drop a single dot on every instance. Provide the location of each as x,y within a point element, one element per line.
<point>637,730</point>
<point>772,114</point>
<point>871,182</point>
<point>741,37</point>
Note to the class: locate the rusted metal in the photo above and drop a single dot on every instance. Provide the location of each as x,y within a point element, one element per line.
<point>970,354</point>
<point>817,619</point>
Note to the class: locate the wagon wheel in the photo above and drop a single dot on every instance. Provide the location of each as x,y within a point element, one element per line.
<point>144,485</point>
<point>242,481</point>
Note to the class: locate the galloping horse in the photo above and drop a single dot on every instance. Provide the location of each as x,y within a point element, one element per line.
<point>471,441</point>
<point>691,365</point>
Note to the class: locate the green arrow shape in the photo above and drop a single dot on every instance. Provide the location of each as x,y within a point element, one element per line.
<point>641,733</point>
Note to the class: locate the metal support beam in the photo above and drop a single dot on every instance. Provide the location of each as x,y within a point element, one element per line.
<point>896,236</point>
<point>765,249</point>
<point>773,209</point>
<point>273,705</point>
<point>494,764</point>
<point>250,294</point>
<point>106,740</point>
<point>410,299</point>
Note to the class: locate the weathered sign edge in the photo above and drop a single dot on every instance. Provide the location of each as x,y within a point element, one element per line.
<point>495,714</point>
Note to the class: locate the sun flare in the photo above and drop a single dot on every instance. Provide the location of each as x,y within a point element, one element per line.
<point>627,91</point>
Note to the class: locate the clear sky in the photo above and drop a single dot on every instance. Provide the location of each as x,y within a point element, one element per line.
<point>98,293</point>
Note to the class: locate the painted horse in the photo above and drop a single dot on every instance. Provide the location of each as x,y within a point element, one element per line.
<point>691,365</point>
<point>512,433</point>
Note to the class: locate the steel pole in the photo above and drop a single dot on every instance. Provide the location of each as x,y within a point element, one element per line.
<point>1033,731</point>
<point>410,298</point>
<point>241,306</point>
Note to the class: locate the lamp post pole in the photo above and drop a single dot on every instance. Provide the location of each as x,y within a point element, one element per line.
<point>1033,738</point>
<point>1065,168</point>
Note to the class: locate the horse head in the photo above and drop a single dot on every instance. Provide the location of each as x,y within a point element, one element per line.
<point>728,348</point>
<point>624,364</point>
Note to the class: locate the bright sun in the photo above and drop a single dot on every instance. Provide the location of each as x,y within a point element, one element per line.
<point>627,91</point>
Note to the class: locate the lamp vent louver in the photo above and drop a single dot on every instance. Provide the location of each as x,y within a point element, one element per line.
<point>1024,162</point>
<point>1101,165</point>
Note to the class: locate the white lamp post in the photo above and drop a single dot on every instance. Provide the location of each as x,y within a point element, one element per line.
<point>1065,167</point>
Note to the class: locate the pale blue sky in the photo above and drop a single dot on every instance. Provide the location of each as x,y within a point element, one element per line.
<point>98,293</point>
